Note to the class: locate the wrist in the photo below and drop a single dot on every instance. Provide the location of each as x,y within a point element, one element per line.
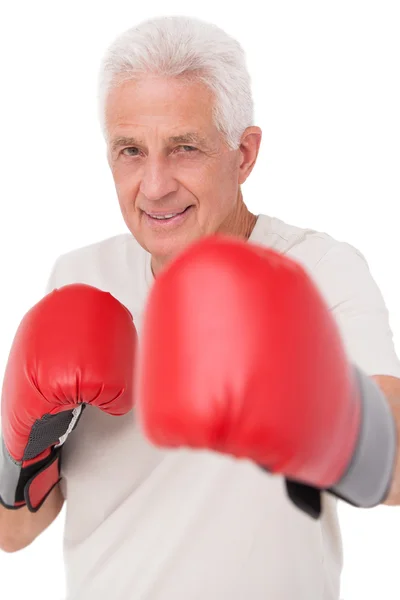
<point>27,483</point>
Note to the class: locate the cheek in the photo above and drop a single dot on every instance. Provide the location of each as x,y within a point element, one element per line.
<point>218,191</point>
<point>126,187</point>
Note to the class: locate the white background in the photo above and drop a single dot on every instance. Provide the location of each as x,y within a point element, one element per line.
<point>327,96</point>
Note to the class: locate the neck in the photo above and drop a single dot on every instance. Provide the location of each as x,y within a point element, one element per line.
<point>240,223</point>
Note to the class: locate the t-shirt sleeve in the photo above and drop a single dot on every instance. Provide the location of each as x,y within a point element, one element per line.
<point>357,304</point>
<point>52,281</point>
<point>69,269</point>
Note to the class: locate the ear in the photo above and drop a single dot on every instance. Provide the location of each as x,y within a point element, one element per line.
<point>249,148</point>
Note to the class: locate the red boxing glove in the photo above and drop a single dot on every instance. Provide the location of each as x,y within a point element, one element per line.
<point>241,355</point>
<point>75,347</point>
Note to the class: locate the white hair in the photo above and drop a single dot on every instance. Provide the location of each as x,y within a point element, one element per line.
<point>186,48</point>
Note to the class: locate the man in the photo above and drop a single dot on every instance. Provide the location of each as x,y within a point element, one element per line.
<point>143,521</point>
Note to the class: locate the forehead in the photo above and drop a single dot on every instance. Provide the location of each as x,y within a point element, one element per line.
<point>167,105</point>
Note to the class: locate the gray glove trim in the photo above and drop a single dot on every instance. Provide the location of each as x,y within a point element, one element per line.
<point>10,472</point>
<point>367,480</point>
<point>15,480</point>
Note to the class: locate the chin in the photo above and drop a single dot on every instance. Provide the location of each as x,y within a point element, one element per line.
<point>165,249</point>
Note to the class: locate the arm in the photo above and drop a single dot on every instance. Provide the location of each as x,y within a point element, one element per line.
<point>314,416</point>
<point>19,528</point>
<point>390,386</point>
<point>363,318</point>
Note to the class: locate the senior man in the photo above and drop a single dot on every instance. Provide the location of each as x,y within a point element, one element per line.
<point>262,439</point>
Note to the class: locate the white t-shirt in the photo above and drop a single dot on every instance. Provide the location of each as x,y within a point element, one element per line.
<point>147,524</point>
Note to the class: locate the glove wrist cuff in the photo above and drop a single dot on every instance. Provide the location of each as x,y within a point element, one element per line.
<point>368,477</point>
<point>27,485</point>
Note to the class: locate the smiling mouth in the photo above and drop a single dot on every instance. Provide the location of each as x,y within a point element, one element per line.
<point>165,216</point>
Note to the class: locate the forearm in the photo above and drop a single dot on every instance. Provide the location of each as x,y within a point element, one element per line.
<point>19,528</point>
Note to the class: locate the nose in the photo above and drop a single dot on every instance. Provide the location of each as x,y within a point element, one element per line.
<point>157,179</point>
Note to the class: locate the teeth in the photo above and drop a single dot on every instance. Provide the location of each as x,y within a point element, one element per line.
<point>163,217</point>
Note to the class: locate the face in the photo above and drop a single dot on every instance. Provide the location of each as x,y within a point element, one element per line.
<point>176,179</point>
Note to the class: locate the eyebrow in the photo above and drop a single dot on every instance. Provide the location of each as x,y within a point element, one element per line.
<point>184,138</point>
<point>187,138</point>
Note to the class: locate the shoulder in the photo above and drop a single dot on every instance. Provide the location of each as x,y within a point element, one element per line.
<point>306,245</point>
<point>342,274</point>
<point>339,268</point>
<point>105,264</point>
<point>108,248</point>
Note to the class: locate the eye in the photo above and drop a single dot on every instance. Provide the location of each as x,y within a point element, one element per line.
<point>188,148</point>
<point>129,154</point>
